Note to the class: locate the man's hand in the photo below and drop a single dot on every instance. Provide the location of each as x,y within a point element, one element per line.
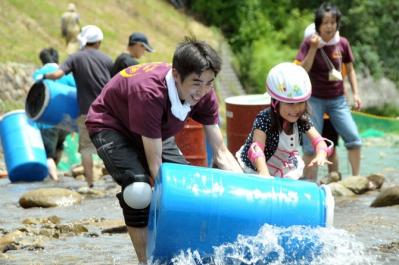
<point>40,78</point>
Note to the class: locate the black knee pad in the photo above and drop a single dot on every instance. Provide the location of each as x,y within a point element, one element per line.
<point>129,177</point>
<point>133,217</point>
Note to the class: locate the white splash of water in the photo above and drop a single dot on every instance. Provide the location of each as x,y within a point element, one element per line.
<point>296,245</point>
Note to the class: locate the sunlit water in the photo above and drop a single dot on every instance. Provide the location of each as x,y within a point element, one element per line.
<point>356,238</point>
<point>291,246</point>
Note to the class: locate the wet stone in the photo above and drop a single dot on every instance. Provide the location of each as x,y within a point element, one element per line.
<point>49,197</point>
<point>387,197</point>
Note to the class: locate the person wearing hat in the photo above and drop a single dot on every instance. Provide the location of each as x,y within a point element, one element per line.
<point>70,28</point>
<point>138,44</point>
<point>272,146</point>
<point>135,118</point>
<point>92,70</point>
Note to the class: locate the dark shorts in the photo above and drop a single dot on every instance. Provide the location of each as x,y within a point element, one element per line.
<point>53,140</point>
<point>329,132</point>
<point>124,158</point>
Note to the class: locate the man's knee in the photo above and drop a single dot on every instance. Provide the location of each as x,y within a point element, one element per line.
<point>133,217</point>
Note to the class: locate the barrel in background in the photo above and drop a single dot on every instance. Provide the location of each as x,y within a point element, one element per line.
<point>240,115</point>
<point>191,141</point>
<point>24,153</point>
<point>52,103</point>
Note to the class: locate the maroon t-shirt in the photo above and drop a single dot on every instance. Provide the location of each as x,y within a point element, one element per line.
<point>339,54</point>
<point>135,102</point>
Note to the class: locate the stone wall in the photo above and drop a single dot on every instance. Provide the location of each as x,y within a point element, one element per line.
<point>15,81</point>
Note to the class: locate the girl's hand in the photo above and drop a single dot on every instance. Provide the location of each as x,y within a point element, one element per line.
<point>357,101</point>
<point>315,41</point>
<point>320,160</point>
<point>265,174</point>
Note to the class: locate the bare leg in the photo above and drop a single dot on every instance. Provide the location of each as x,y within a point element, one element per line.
<point>310,173</point>
<point>354,160</point>
<point>87,163</point>
<point>335,162</point>
<point>52,169</point>
<point>138,235</point>
<point>58,156</point>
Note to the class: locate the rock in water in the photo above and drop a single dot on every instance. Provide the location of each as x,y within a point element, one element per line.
<point>49,197</point>
<point>387,197</point>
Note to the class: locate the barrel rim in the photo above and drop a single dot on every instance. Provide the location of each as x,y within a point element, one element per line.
<point>12,113</point>
<point>330,204</point>
<point>235,100</point>
<point>45,102</point>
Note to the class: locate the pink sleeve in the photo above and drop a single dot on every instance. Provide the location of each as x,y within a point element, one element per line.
<point>303,51</point>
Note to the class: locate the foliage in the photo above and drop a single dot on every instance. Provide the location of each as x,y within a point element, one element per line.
<point>387,110</point>
<point>264,32</point>
<point>9,105</point>
<point>26,27</point>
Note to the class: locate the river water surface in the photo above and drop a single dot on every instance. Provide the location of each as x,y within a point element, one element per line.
<point>361,235</point>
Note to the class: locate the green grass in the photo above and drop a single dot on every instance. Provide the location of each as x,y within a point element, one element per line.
<point>28,26</point>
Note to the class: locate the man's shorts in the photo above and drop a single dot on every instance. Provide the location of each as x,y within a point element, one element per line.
<point>329,132</point>
<point>125,158</point>
<point>53,140</point>
<point>85,144</point>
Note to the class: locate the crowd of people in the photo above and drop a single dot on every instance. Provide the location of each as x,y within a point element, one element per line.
<point>130,112</point>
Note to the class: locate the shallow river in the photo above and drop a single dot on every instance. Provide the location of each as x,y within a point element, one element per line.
<point>361,235</point>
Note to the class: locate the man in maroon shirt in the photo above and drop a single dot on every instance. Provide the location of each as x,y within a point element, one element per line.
<point>133,121</point>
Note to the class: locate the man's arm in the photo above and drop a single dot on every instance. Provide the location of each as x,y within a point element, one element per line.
<point>221,155</point>
<point>54,75</point>
<point>153,153</point>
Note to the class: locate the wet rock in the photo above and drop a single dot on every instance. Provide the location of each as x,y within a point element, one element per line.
<point>33,247</point>
<point>10,239</point>
<point>91,192</point>
<point>357,184</point>
<point>76,171</point>
<point>387,197</point>
<point>92,234</point>
<point>338,190</point>
<point>115,230</point>
<point>375,181</point>
<point>48,220</point>
<point>72,228</point>
<point>331,177</point>
<point>390,247</point>
<point>49,197</point>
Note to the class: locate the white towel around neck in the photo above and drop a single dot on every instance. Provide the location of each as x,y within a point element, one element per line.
<point>179,110</point>
<point>333,41</point>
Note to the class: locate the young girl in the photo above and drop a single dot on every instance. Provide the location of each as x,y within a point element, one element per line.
<point>271,148</point>
<point>324,55</point>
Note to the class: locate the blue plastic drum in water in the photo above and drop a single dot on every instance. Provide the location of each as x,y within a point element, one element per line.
<point>52,103</point>
<point>23,148</point>
<point>198,208</point>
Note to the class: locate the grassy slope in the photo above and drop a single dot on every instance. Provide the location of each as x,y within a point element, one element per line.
<point>27,26</point>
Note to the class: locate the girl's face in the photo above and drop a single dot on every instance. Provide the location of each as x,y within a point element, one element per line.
<point>194,86</point>
<point>291,112</point>
<point>328,27</point>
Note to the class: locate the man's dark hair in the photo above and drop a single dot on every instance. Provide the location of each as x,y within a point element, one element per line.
<point>193,56</point>
<point>48,55</point>
<point>322,10</point>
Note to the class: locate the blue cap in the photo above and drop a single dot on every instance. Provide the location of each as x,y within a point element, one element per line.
<point>138,37</point>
